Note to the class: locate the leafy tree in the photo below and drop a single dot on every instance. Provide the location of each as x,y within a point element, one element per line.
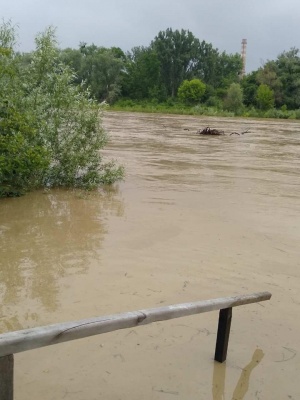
<point>50,133</point>
<point>249,85</point>
<point>141,79</point>
<point>215,69</point>
<point>99,68</point>
<point>229,67</point>
<point>177,54</point>
<point>283,77</point>
<point>268,75</point>
<point>288,71</point>
<point>183,57</point>
<point>74,59</point>
<point>106,76</point>
<point>234,98</point>
<point>191,91</point>
<point>22,158</point>
<point>205,63</point>
<point>265,97</point>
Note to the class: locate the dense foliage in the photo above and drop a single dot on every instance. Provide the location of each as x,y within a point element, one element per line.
<point>265,97</point>
<point>192,91</point>
<point>152,76</point>
<point>153,73</point>
<point>98,68</point>
<point>50,131</point>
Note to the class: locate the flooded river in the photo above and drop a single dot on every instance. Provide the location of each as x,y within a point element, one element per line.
<point>195,218</point>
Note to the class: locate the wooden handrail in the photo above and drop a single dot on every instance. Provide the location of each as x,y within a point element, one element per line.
<point>28,339</point>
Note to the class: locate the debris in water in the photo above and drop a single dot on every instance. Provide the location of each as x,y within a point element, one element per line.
<point>216,132</point>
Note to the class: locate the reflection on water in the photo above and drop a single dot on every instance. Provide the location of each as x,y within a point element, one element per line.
<point>44,238</point>
<point>218,384</point>
<point>242,386</point>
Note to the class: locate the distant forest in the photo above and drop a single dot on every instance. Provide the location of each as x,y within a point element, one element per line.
<point>177,68</point>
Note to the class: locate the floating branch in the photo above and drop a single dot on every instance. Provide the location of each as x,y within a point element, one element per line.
<point>236,133</point>
<point>216,132</point>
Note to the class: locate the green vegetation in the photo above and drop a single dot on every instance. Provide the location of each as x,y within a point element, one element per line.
<point>234,98</point>
<point>265,97</point>
<point>160,78</point>
<point>191,92</point>
<point>50,131</point>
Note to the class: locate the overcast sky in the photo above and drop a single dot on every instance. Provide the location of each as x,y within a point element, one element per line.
<point>270,26</point>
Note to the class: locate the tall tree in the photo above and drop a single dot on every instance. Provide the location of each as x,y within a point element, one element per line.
<point>283,77</point>
<point>288,70</point>
<point>142,74</point>
<point>177,53</point>
<point>205,66</point>
<point>268,75</point>
<point>183,57</point>
<point>250,84</point>
<point>23,158</point>
<point>99,68</point>
<point>229,69</point>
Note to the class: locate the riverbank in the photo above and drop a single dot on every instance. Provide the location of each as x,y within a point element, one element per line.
<point>173,107</point>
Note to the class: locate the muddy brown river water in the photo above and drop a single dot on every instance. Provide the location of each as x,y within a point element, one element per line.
<point>196,218</point>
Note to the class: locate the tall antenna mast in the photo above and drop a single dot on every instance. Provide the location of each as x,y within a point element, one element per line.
<point>243,54</point>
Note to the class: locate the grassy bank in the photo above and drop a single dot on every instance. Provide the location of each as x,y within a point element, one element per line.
<point>173,107</point>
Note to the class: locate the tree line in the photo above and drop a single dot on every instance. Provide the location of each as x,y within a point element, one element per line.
<point>177,66</point>
<point>154,72</point>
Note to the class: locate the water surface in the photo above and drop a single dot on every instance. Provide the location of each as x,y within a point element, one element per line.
<point>196,218</point>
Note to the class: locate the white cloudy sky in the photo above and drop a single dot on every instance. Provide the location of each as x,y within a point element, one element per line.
<point>270,26</point>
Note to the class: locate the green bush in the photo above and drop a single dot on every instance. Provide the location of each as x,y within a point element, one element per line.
<point>50,129</point>
<point>214,101</point>
<point>191,92</point>
<point>22,160</point>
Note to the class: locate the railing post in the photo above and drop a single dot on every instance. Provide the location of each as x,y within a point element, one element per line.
<point>225,316</point>
<point>7,377</point>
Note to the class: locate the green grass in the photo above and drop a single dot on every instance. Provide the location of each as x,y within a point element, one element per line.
<point>173,107</point>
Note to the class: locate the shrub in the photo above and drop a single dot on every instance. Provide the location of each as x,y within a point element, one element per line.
<point>214,101</point>
<point>50,129</point>
<point>191,92</point>
<point>234,98</point>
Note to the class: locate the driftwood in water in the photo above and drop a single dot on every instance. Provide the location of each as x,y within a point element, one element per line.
<point>208,131</point>
<point>216,132</point>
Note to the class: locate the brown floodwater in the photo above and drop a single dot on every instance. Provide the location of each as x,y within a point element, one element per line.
<point>195,218</point>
